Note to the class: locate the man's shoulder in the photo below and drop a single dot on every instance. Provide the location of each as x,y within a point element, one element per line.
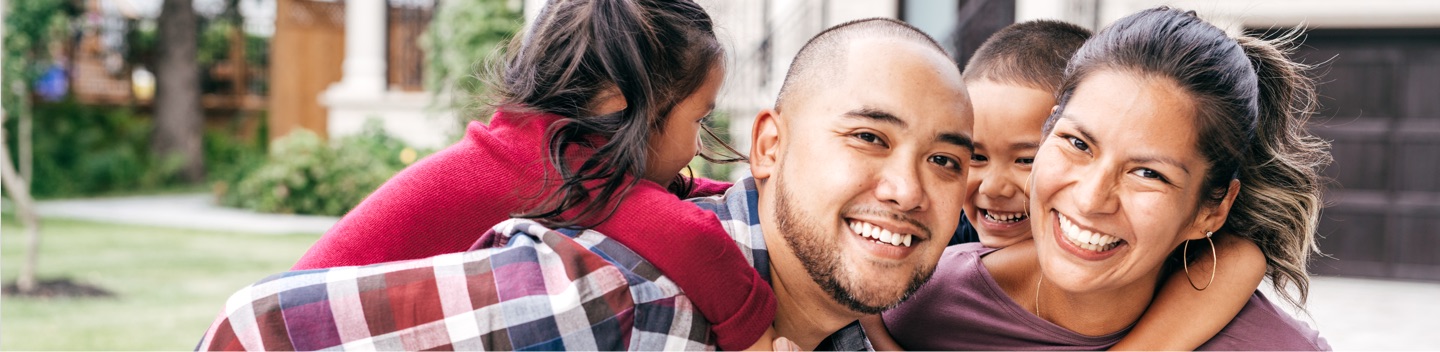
<point>538,289</point>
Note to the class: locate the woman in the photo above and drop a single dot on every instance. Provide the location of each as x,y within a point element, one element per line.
<point>1166,132</point>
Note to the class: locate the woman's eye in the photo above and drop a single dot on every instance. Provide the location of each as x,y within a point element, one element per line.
<point>1150,174</point>
<point>945,161</point>
<point>1078,144</point>
<point>705,120</point>
<point>1025,161</point>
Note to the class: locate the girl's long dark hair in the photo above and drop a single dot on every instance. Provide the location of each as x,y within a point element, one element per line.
<point>654,53</point>
<point>1253,104</point>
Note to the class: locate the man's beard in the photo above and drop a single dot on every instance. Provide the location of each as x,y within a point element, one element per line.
<point>821,259</point>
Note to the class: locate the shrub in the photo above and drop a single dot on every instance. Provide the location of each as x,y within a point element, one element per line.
<point>87,150</point>
<point>305,175</point>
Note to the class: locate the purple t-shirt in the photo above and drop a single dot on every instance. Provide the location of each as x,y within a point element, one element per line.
<point>963,308</point>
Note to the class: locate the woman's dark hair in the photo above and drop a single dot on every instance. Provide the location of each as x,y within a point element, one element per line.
<point>653,53</point>
<point>1252,106</point>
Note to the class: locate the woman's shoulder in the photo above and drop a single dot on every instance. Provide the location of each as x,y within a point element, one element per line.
<point>1262,325</point>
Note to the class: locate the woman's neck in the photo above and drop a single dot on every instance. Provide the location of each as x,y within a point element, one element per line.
<point>1016,269</point>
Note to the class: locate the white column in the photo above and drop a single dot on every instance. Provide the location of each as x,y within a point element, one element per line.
<point>364,65</point>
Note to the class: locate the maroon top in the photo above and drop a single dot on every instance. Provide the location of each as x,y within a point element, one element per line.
<point>963,308</point>
<point>443,203</point>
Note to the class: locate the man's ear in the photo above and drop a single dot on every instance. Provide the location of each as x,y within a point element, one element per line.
<point>765,144</point>
<point>1212,219</point>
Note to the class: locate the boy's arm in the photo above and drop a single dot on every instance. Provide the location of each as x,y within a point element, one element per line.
<point>1183,318</point>
<point>879,335</point>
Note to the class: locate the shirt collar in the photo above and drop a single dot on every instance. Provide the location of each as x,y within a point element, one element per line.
<point>739,212</point>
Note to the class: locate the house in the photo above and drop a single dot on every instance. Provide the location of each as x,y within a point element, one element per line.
<point>337,64</point>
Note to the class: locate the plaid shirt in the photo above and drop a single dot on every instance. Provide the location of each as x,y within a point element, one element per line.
<point>560,290</point>
<point>739,212</point>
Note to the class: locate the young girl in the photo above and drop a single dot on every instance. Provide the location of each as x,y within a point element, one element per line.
<point>600,106</point>
<point>1012,79</point>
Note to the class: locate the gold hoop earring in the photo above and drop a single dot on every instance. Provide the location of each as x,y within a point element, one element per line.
<point>1214,262</point>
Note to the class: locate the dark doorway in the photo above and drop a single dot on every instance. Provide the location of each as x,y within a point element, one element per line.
<point>1380,107</point>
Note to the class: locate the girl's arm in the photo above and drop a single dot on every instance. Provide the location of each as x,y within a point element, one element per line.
<point>1183,318</point>
<point>878,334</point>
<point>767,342</point>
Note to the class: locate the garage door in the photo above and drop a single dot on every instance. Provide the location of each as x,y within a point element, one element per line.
<point>1380,106</point>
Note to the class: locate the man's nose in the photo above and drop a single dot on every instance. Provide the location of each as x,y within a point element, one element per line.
<point>900,186</point>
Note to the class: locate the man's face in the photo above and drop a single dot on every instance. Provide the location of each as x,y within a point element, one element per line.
<point>866,173</point>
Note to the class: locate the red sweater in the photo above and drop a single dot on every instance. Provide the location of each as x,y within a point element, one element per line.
<point>443,203</point>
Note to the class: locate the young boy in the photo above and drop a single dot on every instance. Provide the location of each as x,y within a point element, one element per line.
<point>1012,81</point>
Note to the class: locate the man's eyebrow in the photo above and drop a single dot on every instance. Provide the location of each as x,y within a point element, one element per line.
<point>958,139</point>
<point>876,115</point>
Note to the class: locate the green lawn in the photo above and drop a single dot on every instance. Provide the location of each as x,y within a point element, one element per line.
<point>169,284</point>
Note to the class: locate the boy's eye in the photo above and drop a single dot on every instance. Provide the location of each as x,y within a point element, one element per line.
<point>978,158</point>
<point>1025,161</point>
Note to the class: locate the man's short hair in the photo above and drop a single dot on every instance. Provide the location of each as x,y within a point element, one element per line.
<point>817,61</point>
<point>1031,54</point>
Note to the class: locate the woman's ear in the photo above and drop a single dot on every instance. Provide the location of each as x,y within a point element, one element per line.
<point>1213,218</point>
<point>765,144</point>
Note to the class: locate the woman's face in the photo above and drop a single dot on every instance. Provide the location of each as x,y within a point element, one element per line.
<point>1117,183</point>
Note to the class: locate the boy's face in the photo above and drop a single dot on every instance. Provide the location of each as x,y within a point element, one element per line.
<point>1008,119</point>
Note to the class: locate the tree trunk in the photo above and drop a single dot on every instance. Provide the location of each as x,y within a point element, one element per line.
<point>178,118</point>
<point>18,189</point>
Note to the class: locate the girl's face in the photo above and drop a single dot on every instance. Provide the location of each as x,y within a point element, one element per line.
<point>1117,184</point>
<point>1008,120</point>
<point>679,140</point>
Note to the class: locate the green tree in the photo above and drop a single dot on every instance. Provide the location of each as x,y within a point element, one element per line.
<point>463,38</point>
<point>27,32</point>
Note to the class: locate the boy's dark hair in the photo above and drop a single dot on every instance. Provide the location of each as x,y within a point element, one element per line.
<point>1031,54</point>
<point>655,53</point>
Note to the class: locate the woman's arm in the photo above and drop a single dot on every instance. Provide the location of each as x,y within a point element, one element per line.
<point>1183,318</point>
<point>878,334</point>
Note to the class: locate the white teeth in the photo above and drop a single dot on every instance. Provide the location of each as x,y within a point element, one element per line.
<point>880,235</point>
<point>1086,239</point>
<point>1005,217</point>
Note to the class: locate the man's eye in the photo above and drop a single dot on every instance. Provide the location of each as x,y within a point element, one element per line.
<point>945,161</point>
<point>869,138</point>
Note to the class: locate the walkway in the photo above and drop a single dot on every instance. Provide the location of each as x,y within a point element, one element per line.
<point>188,211</point>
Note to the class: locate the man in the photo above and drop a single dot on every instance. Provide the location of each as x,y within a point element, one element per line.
<point>858,173</point>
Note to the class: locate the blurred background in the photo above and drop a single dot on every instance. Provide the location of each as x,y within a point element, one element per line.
<point>159,154</point>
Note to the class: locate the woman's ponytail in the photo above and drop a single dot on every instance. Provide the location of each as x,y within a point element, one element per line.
<point>1279,203</point>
